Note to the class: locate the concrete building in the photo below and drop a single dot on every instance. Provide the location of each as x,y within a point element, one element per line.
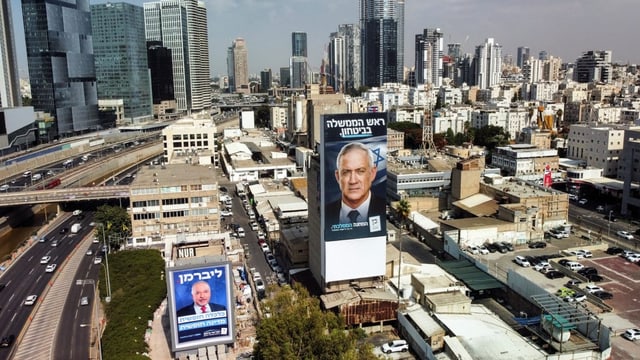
<point>191,141</point>
<point>524,160</point>
<point>599,146</point>
<point>415,176</point>
<point>629,172</point>
<point>344,59</point>
<point>429,51</point>
<point>488,60</point>
<point>238,67</point>
<point>174,203</point>
<point>395,140</point>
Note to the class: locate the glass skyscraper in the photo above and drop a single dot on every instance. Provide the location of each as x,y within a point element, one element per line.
<point>382,29</point>
<point>299,44</point>
<point>121,57</point>
<point>9,79</point>
<point>61,63</point>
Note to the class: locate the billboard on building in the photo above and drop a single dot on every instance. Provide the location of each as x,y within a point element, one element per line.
<point>200,305</point>
<point>353,194</point>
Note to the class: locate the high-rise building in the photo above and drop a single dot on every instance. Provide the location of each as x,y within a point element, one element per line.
<point>382,24</point>
<point>238,67</point>
<point>523,56</point>
<point>429,53</point>
<point>161,69</point>
<point>266,79</point>
<point>592,66</point>
<point>298,66</point>
<point>344,58</point>
<point>299,44</point>
<point>543,55</point>
<point>285,77</point>
<point>121,58</point>
<point>488,64</point>
<point>454,50</point>
<point>61,71</point>
<point>9,78</point>
<point>181,26</point>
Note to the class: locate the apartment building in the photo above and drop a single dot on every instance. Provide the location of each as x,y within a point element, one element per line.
<point>599,146</point>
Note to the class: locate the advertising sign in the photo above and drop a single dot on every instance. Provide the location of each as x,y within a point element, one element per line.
<point>201,305</point>
<point>353,188</point>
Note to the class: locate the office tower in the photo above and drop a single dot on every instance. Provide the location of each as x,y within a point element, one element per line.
<point>593,65</point>
<point>429,50</point>
<point>523,56</point>
<point>382,44</point>
<point>488,64</point>
<point>298,67</point>
<point>238,67</point>
<point>454,50</point>
<point>344,58</point>
<point>266,79</point>
<point>543,55</point>
<point>121,57</point>
<point>9,78</point>
<point>181,26</point>
<point>161,69</point>
<point>299,44</point>
<point>285,77</point>
<point>61,72</point>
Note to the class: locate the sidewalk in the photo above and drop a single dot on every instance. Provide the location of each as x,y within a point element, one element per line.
<point>157,340</point>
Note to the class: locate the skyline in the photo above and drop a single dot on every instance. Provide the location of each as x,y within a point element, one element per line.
<point>564,28</point>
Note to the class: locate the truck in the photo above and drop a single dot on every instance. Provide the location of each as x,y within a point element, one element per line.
<point>75,228</point>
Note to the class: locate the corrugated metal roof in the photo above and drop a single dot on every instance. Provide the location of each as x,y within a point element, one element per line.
<point>473,277</point>
<point>425,322</point>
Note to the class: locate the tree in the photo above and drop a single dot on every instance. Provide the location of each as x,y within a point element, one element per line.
<point>403,208</point>
<point>297,328</point>
<point>450,136</point>
<point>116,224</point>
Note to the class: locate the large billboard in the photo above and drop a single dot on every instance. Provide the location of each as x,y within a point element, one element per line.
<point>353,186</point>
<point>200,305</point>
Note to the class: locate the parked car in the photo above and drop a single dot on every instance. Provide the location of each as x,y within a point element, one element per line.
<point>508,245</point>
<point>483,250</point>
<point>538,245</point>
<point>594,277</point>
<point>583,253</point>
<point>604,295</point>
<point>491,247</point>
<point>225,213</point>
<point>576,298</point>
<point>520,260</point>
<point>554,274</point>
<point>541,265</point>
<point>395,346</point>
<point>573,282</point>
<point>583,201</point>
<point>564,262</point>
<point>624,234</point>
<point>502,248</point>
<point>474,250</point>
<point>593,288</point>
<point>631,334</point>
<point>587,270</point>
<point>614,250</point>
<point>265,247</point>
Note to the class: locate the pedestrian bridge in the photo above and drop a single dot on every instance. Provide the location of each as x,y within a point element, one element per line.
<point>64,195</point>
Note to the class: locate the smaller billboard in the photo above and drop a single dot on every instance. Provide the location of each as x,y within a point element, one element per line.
<point>200,305</point>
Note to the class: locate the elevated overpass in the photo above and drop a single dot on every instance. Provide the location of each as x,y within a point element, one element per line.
<point>64,195</point>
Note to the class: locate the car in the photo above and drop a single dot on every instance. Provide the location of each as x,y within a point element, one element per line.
<point>84,301</point>
<point>259,284</point>
<point>520,260</point>
<point>508,245</point>
<point>603,295</point>
<point>502,248</point>
<point>574,266</point>
<point>631,334</point>
<point>89,252</point>
<point>265,247</point>
<point>254,226</point>
<point>583,201</point>
<point>95,240</point>
<point>538,245</point>
<point>474,250</point>
<point>7,341</point>
<point>563,292</point>
<point>395,346</point>
<point>483,250</point>
<point>624,234</point>
<point>491,247</point>
<point>564,262</point>
<point>30,300</point>
<point>97,260</point>
<point>45,259</point>
<point>223,189</point>
<point>573,282</point>
<point>540,265</point>
<point>225,213</point>
<point>54,243</point>
<point>573,197</point>
<point>4,187</point>
<point>587,270</point>
<point>576,298</point>
<point>51,268</point>
<point>600,208</point>
<point>558,234</point>
<point>77,212</point>
<point>593,289</point>
<point>582,253</point>
<point>614,250</point>
<point>634,258</point>
<point>261,236</point>
<point>594,277</point>
<point>64,230</point>
<point>554,274</point>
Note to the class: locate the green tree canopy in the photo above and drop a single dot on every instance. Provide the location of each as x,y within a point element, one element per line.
<point>296,328</point>
<point>115,224</point>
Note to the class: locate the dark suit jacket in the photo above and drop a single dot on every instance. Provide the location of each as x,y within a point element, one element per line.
<point>377,206</point>
<point>189,310</point>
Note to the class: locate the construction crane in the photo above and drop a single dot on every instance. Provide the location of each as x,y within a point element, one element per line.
<point>545,121</point>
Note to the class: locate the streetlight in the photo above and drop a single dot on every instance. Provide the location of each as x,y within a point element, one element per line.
<point>609,224</point>
<point>106,261</point>
<point>95,313</point>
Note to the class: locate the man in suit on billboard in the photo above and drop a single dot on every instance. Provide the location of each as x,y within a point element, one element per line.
<point>201,294</point>
<point>355,173</point>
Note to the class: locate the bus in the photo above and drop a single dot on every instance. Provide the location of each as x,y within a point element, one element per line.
<point>52,183</point>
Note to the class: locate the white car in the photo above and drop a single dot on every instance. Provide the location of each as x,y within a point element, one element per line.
<point>634,258</point>
<point>97,260</point>
<point>84,301</point>
<point>45,259</point>
<point>259,285</point>
<point>265,248</point>
<point>520,260</point>
<point>583,201</point>
<point>483,250</point>
<point>592,289</point>
<point>4,187</point>
<point>631,334</point>
<point>395,346</point>
<point>541,265</point>
<point>474,250</point>
<point>625,234</point>
<point>30,300</point>
<point>51,268</point>
<point>226,213</point>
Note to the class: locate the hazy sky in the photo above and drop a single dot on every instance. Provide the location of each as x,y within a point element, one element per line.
<point>564,28</point>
